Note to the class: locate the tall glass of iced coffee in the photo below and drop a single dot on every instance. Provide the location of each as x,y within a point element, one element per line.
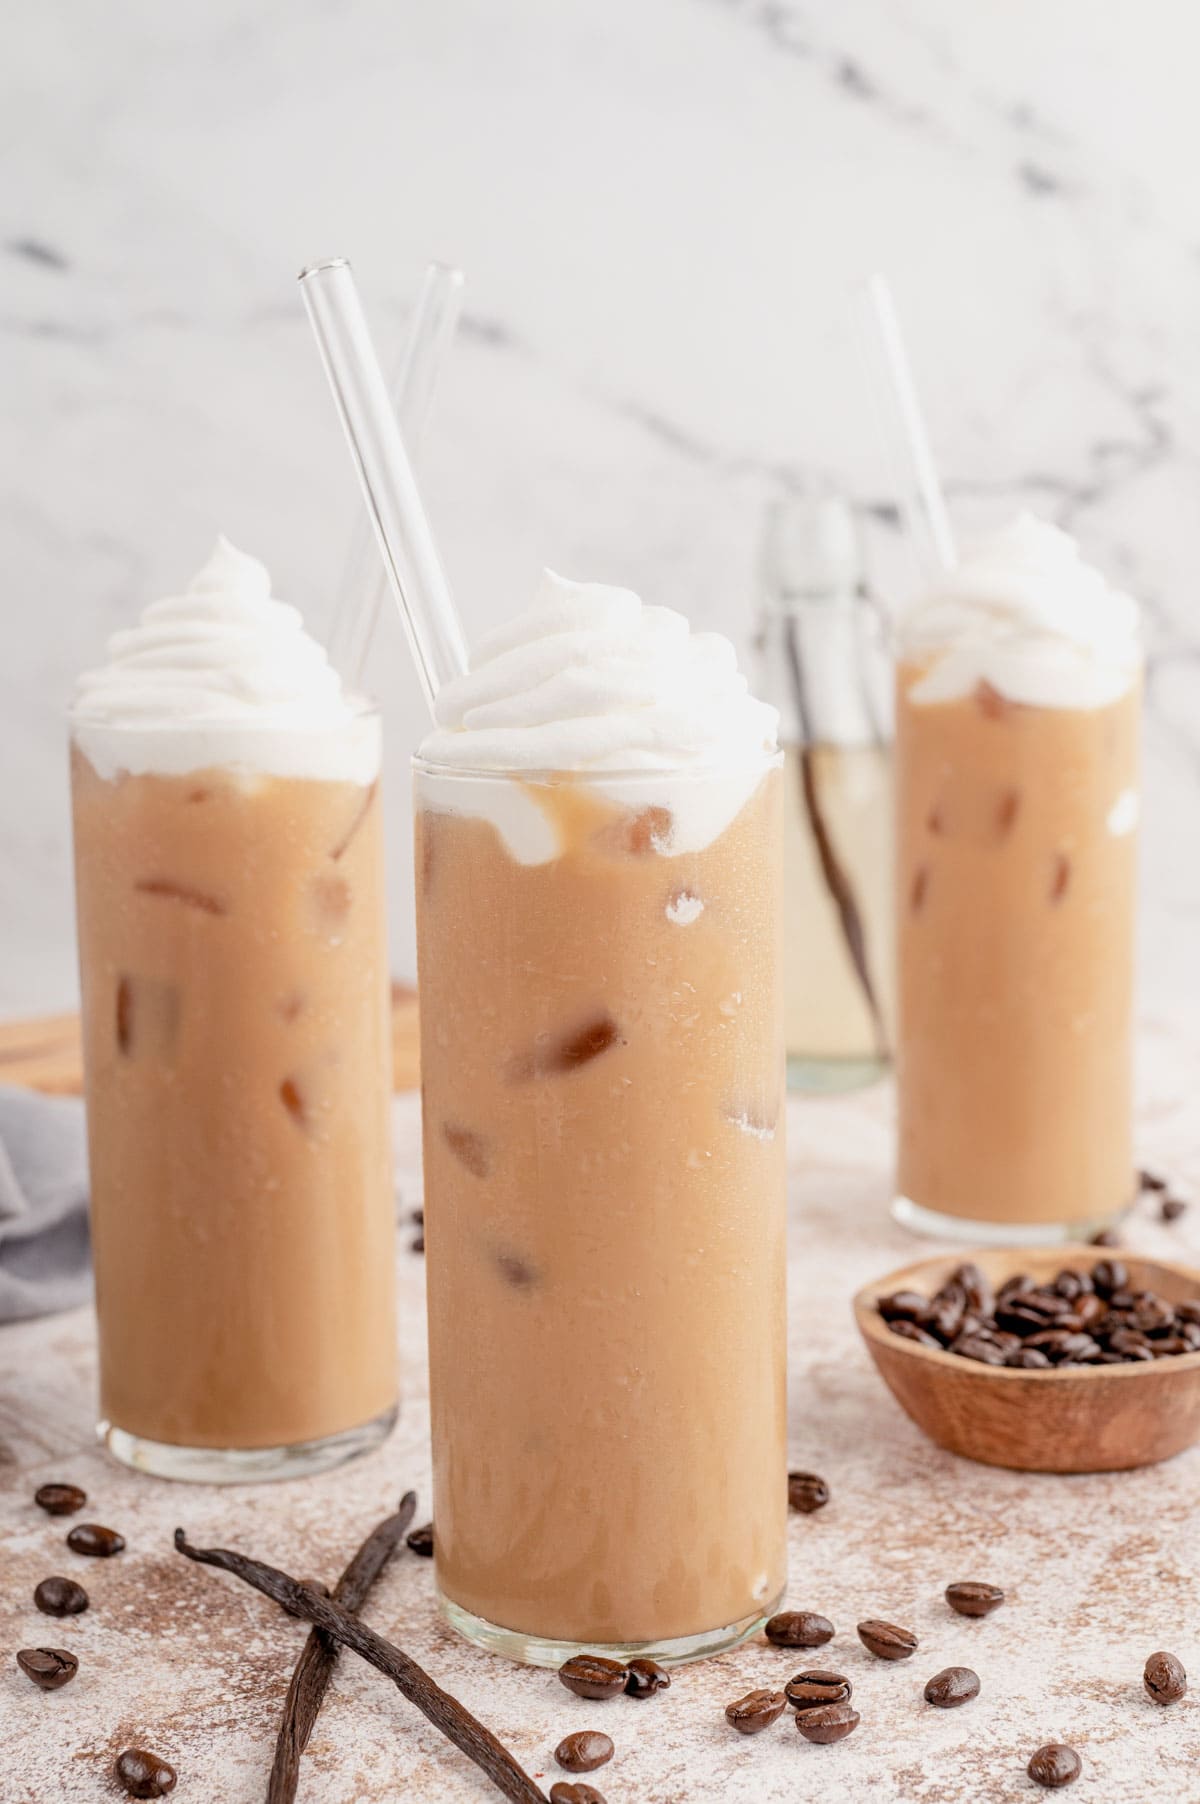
<point>599,875</point>
<point>232,942</point>
<point>1018,703</point>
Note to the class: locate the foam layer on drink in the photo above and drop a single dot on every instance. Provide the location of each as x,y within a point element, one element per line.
<point>1025,614</point>
<point>589,681</point>
<point>223,676</point>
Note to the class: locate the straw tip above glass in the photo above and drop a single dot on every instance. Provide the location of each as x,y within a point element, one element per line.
<point>316,269</point>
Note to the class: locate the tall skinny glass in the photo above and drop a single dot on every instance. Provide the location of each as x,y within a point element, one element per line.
<point>602,1068</point>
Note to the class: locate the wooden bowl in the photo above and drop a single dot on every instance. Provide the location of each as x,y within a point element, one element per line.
<point>1067,1419</point>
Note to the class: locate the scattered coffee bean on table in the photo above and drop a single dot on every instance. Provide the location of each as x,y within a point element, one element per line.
<point>417,1244</point>
<point>807,1492</point>
<point>828,1722</point>
<point>646,1678</point>
<point>1164,1678</point>
<point>1172,1207</point>
<point>952,1686</point>
<point>1080,1317</point>
<point>1107,1237</point>
<point>1151,1180</point>
<point>809,1690</point>
<point>886,1641</point>
<point>91,1538</point>
<point>144,1775</point>
<point>798,1628</point>
<point>584,1751</point>
<point>420,1541</point>
<point>971,1597</point>
<point>59,1500</point>
<point>50,1668</point>
<point>593,1676</point>
<point>561,1793</point>
<point>60,1597</point>
<point>756,1711</point>
<point>1054,1765</point>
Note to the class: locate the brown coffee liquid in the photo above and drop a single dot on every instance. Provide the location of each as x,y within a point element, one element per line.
<point>237,1054</point>
<point>604,1218</point>
<point>1015,908</point>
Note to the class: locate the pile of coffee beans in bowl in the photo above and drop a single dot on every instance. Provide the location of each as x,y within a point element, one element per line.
<point>1078,1318</point>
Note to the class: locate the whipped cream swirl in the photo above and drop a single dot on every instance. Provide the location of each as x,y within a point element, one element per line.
<point>591,680</point>
<point>1023,612</point>
<point>223,675</point>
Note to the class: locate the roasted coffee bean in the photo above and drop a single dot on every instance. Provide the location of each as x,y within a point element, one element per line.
<point>1151,1180</point>
<point>756,1711</point>
<point>1164,1678</point>
<point>60,1597</point>
<point>584,1751</point>
<point>1129,1343</point>
<point>59,1500</point>
<point>807,1492</point>
<point>945,1321</point>
<point>1019,1317</point>
<point>1108,1275</point>
<point>1189,1310</point>
<point>799,1628</point>
<point>973,1597</point>
<point>1030,1358</point>
<point>1172,1207</point>
<point>910,1331</point>
<point>952,1686</point>
<point>1167,1345</point>
<point>1054,1765</point>
<point>417,1244</point>
<point>646,1677</point>
<point>904,1306</point>
<point>1015,1286</point>
<point>975,1346</point>
<point>1050,1304</point>
<point>810,1689</point>
<point>90,1538</point>
<point>144,1775</point>
<point>593,1676</point>
<point>976,1288</point>
<point>50,1668</point>
<point>562,1793</point>
<point>1089,1310</point>
<point>886,1641</point>
<point>1189,1334</point>
<point>1107,1237</point>
<point>1153,1315</point>
<point>828,1722</point>
<point>1073,1285</point>
<point>420,1541</point>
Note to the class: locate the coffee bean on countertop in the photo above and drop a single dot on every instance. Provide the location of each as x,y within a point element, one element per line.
<point>1151,1180</point>
<point>91,1538</point>
<point>50,1668</point>
<point>973,1597</point>
<point>807,1492</point>
<point>810,1689</point>
<point>593,1676</point>
<point>417,1244</point>
<point>798,1628</point>
<point>886,1641</point>
<point>1172,1207</point>
<point>561,1793</point>
<point>1164,1678</point>
<point>756,1711</point>
<point>60,1597</point>
<point>952,1686</point>
<point>420,1541</point>
<point>646,1678</point>
<point>1107,1237</point>
<point>584,1751</point>
<point>59,1500</point>
<point>828,1722</point>
<point>144,1775</point>
<point>1054,1764</point>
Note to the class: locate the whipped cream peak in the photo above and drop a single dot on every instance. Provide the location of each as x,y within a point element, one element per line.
<point>591,680</point>
<point>203,675</point>
<point>1024,612</point>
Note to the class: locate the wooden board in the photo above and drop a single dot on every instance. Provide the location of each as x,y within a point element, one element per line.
<point>44,1053</point>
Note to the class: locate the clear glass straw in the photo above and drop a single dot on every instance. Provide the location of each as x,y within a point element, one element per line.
<point>393,499</point>
<point>919,492</point>
<point>364,583</point>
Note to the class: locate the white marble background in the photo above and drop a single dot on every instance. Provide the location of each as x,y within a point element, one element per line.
<point>663,207</point>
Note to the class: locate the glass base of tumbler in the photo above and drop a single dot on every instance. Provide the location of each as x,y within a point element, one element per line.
<point>936,1226</point>
<point>533,1650</point>
<point>826,1077</point>
<point>245,1465</point>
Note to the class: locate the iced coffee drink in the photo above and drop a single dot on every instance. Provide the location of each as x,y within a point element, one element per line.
<point>1017,768</point>
<point>235,1008</point>
<point>598,870</point>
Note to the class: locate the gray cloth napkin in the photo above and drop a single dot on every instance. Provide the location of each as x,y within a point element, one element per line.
<point>45,1254</point>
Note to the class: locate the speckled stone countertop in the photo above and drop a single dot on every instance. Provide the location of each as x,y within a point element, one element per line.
<point>1099,1573</point>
